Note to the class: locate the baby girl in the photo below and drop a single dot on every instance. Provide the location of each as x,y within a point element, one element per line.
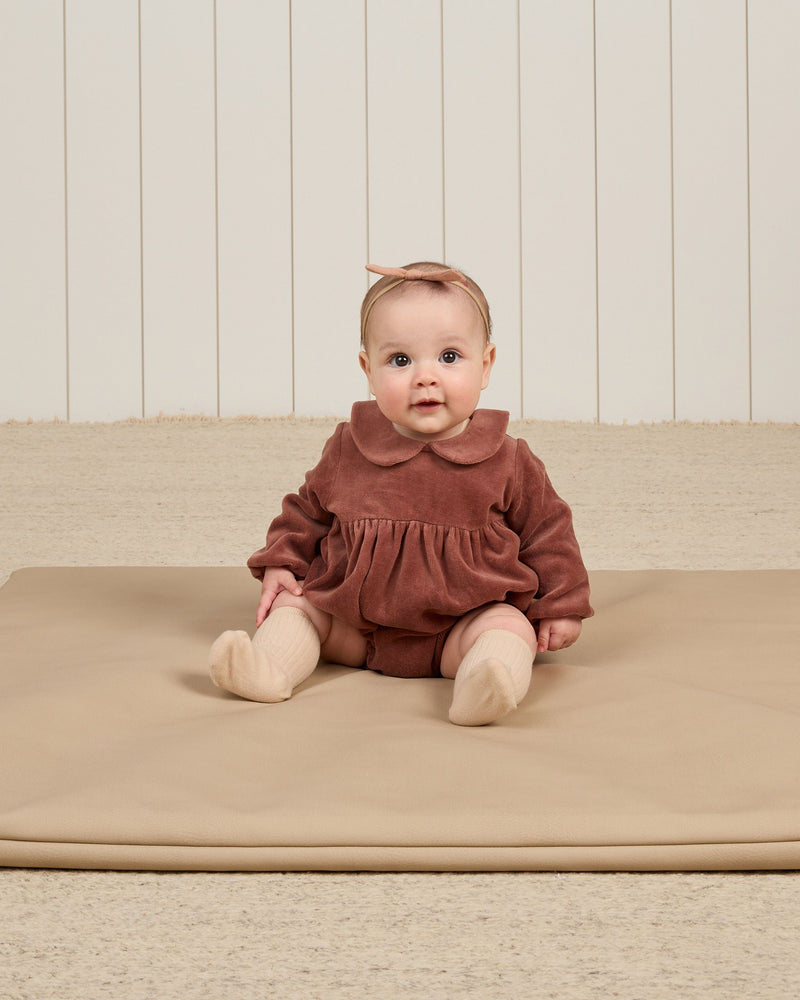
<point>426,541</point>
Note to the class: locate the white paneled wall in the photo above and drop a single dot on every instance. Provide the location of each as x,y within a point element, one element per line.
<point>558,237</point>
<point>710,221</point>
<point>189,191</point>
<point>481,170</point>
<point>329,142</point>
<point>634,245</point>
<point>774,89</point>
<point>254,192</point>
<point>103,220</point>
<point>33,290</point>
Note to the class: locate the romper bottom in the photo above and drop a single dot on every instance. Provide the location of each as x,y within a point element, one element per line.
<point>399,653</point>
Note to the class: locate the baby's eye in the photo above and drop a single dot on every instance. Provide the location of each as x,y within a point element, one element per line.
<point>399,360</point>
<point>450,357</point>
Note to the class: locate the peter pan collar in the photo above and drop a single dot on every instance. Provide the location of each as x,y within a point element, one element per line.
<point>379,442</point>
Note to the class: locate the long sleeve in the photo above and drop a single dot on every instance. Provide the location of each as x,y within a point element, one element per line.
<point>294,536</point>
<point>548,544</point>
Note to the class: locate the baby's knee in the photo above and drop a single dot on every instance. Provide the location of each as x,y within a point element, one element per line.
<point>340,642</point>
<point>286,599</point>
<point>321,620</point>
<point>505,617</point>
<point>466,632</point>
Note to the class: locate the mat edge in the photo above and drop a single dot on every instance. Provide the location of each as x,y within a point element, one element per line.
<point>784,856</point>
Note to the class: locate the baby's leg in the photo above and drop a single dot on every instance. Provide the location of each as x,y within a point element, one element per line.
<point>490,654</point>
<point>284,651</point>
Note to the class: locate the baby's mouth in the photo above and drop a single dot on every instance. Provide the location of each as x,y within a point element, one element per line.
<point>427,404</point>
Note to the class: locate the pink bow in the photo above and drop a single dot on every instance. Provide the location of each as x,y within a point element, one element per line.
<point>443,274</point>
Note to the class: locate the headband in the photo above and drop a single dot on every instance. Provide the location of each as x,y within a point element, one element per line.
<point>448,275</point>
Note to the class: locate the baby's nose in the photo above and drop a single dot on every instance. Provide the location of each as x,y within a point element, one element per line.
<point>426,374</point>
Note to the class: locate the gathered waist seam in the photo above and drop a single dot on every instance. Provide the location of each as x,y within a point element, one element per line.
<point>401,522</point>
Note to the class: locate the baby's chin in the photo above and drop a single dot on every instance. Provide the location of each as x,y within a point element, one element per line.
<point>419,432</point>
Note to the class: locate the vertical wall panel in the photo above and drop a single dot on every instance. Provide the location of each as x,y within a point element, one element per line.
<point>775,207</point>
<point>404,132</point>
<point>709,45</point>
<point>178,204</point>
<point>559,302</point>
<point>482,206</point>
<point>33,344</point>
<point>634,210</point>
<point>105,323</point>
<point>254,190</point>
<point>330,202</point>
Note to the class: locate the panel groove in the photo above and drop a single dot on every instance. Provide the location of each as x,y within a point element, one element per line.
<point>520,259</point>
<point>141,213</point>
<point>291,208</point>
<point>749,214</point>
<point>672,204</point>
<point>366,144</point>
<point>66,211</point>
<point>596,221</point>
<point>444,133</point>
<point>216,197</point>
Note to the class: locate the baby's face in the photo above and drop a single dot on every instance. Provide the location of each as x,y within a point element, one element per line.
<point>427,361</point>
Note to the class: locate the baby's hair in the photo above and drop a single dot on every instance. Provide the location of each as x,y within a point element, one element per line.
<point>398,281</point>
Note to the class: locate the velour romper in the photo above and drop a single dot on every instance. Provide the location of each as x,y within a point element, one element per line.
<point>401,538</point>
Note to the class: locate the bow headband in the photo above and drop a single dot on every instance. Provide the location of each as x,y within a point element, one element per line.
<point>442,274</point>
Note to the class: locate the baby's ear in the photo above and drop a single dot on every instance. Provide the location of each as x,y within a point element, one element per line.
<point>488,362</point>
<point>363,360</point>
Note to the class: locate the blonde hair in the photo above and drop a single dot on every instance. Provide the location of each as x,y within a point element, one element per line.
<point>435,277</point>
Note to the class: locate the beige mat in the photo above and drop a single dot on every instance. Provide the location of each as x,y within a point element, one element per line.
<point>668,738</point>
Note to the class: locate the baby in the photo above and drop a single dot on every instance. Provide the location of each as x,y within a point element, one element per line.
<point>426,541</point>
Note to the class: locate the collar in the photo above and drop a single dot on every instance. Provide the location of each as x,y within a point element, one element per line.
<point>379,442</point>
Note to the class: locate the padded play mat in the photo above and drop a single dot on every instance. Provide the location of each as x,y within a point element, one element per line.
<point>667,738</point>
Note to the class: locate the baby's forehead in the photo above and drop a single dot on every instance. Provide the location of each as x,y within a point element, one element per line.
<point>419,295</point>
<point>425,289</point>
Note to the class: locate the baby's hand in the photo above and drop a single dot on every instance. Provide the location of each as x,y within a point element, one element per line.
<point>558,633</point>
<point>275,580</point>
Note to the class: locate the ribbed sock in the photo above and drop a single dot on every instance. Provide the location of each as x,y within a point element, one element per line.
<point>492,679</point>
<point>282,654</point>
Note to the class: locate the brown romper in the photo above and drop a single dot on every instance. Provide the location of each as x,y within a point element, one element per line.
<point>401,538</point>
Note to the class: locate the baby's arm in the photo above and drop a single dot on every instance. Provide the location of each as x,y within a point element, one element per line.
<point>275,580</point>
<point>294,536</point>
<point>543,522</point>
<point>558,633</point>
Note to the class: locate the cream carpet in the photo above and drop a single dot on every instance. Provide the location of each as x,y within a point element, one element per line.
<point>198,493</point>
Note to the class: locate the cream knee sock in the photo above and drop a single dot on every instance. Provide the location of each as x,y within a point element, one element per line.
<point>282,653</point>
<point>492,679</point>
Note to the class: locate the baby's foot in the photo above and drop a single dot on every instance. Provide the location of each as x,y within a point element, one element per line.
<point>482,694</point>
<point>238,666</point>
